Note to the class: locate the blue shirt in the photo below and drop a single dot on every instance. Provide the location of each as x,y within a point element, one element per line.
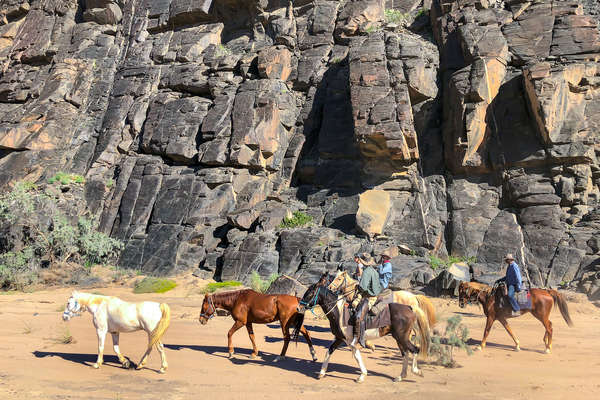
<point>513,276</point>
<point>385,274</point>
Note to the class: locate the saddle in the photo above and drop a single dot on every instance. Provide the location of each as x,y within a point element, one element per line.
<point>381,319</point>
<point>523,298</point>
<point>383,299</point>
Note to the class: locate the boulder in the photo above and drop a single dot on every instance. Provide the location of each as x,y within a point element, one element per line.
<point>373,211</point>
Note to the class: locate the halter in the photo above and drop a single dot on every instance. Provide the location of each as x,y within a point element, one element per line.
<point>70,313</point>
<point>214,309</point>
<point>314,301</point>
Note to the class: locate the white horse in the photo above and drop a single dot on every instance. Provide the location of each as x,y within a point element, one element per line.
<point>111,314</point>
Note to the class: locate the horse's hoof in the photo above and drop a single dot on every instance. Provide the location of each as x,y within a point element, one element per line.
<point>361,378</point>
<point>277,359</point>
<point>126,364</point>
<point>253,356</point>
<point>517,348</point>
<point>418,372</point>
<point>547,351</point>
<point>315,359</point>
<point>162,370</point>
<point>398,379</point>
<point>478,347</point>
<point>95,365</point>
<point>321,375</point>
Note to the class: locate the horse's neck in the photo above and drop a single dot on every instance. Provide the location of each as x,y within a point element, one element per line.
<point>225,302</point>
<point>90,301</point>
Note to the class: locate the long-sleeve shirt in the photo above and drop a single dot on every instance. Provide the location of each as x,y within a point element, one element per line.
<point>385,274</point>
<point>513,276</point>
<point>369,281</point>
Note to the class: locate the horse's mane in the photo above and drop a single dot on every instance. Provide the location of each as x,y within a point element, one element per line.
<point>230,296</point>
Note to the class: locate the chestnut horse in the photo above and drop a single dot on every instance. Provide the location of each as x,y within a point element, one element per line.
<point>402,321</point>
<point>248,307</point>
<point>542,301</point>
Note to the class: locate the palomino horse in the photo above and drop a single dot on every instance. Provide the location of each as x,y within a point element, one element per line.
<point>114,315</point>
<point>248,307</point>
<point>494,308</point>
<point>402,322</point>
<point>421,305</point>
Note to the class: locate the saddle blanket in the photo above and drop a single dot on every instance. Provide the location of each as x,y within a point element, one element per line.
<point>372,321</point>
<point>523,299</point>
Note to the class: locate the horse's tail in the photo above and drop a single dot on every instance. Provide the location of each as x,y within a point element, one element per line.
<point>162,325</point>
<point>427,306</point>
<point>559,300</point>
<point>422,330</point>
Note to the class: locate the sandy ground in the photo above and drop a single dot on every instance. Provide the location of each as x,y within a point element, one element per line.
<point>35,365</point>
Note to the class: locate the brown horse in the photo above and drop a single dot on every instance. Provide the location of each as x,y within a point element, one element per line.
<point>402,322</point>
<point>495,308</point>
<point>248,307</point>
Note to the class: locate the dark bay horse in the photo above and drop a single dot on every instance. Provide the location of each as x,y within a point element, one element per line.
<point>402,322</point>
<point>542,301</point>
<point>248,307</point>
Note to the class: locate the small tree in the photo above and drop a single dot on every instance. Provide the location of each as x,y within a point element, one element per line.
<point>455,335</point>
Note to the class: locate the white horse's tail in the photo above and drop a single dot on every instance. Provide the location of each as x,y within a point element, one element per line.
<point>161,327</point>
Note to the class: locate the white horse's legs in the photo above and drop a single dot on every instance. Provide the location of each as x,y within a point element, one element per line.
<point>163,358</point>
<point>145,356</point>
<point>115,338</point>
<point>358,358</point>
<point>101,337</point>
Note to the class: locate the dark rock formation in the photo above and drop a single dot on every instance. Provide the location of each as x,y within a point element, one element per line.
<point>201,125</point>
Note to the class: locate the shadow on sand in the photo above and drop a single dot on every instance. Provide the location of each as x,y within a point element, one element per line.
<point>306,367</point>
<point>86,358</point>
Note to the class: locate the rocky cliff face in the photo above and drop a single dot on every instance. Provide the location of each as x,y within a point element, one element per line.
<point>464,127</point>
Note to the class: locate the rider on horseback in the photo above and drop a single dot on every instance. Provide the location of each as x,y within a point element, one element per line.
<point>372,283</point>
<point>514,283</point>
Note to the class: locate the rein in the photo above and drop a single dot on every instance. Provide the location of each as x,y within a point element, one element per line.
<point>314,301</point>
<point>214,309</point>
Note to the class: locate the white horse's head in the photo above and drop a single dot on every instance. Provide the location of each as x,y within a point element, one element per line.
<point>72,308</point>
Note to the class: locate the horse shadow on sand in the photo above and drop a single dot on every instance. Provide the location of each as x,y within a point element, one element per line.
<point>88,359</point>
<point>307,367</point>
<point>509,347</point>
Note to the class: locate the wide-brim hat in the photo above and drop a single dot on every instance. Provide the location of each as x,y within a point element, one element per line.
<point>387,253</point>
<point>509,256</point>
<point>365,259</point>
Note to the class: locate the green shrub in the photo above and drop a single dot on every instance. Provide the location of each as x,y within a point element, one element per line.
<point>64,178</point>
<point>455,335</point>
<point>214,286</point>
<point>435,262</point>
<point>110,183</point>
<point>64,239</point>
<point>298,219</point>
<point>396,16</point>
<point>153,285</point>
<point>260,285</point>
<point>94,246</point>
<point>422,11</point>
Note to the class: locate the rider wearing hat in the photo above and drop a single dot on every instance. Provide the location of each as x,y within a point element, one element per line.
<point>372,283</point>
<point>361,261</point>
<point>513,282</point>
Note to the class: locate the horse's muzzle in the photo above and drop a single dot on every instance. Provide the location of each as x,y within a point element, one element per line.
<point>301,309</point>
<point>202,320</point>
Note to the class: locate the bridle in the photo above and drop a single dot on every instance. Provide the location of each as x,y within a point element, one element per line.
<point>210,304</point>
<point>344,292</point>
<point>310,307</point>
<point>70,313</point>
